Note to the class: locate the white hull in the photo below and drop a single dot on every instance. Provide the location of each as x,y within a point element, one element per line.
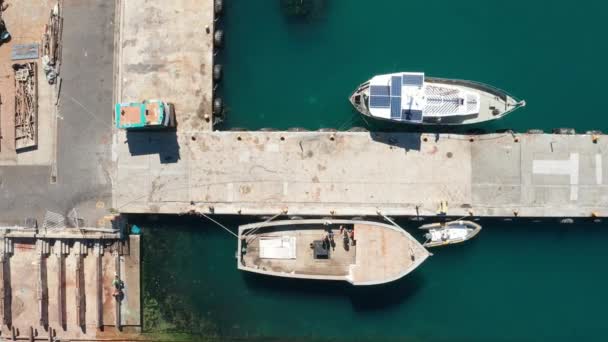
<point>433,101</point>
<point>441,234</point>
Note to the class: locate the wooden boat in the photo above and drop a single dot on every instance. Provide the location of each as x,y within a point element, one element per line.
<point>360,252</point>
<point>445,233</point>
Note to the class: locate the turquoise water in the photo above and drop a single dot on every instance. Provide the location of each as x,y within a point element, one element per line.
<point>284,73</point>
<point>516,281</point>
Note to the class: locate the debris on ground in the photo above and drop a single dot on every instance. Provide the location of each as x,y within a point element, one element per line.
<point>26,106</point>
<point>51,45</point>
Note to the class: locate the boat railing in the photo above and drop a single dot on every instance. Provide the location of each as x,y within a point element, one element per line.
<point>479,85</point>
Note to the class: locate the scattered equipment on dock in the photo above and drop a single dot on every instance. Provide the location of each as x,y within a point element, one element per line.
<point>410,97</point>
<point>25,51</point>
<point>446,233</point>
<point>363,253</point>
<point>26,106</point>
<point>51,44</point>
<point>149,114</point>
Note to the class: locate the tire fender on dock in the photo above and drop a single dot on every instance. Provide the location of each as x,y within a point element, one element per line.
<point>218,106</point>
<point>217,72</point>
<point>218,7</point>
<point>218,37</point>
<point>569,131</point>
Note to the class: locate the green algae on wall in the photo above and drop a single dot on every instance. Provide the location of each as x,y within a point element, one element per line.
<point>165,311</point>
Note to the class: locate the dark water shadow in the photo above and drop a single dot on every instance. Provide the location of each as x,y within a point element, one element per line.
<point>304,12</point>
<point>163,143</point>
<point>362,298</point>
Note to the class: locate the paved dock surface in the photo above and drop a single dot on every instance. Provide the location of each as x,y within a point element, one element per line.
<point>165,52</point>
<point>76,174</point>
<point>354,174</point>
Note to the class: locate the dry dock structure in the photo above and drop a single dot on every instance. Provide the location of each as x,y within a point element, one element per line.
<point>58,284</point>
<point>59,250</point>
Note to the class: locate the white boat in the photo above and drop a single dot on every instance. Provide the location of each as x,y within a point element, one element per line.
<point>410,97</point>
<point>362,252</point>
<point>445,233</point>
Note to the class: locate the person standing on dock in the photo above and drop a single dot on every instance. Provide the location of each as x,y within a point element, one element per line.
<point>118,286</point>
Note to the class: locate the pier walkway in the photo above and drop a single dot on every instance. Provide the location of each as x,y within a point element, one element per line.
<point>166,52</point>
<point>355,174</point>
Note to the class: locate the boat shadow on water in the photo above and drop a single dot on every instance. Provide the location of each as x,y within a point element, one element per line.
<point>362,298</point>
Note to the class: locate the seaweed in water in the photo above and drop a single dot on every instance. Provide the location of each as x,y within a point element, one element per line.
<point>168,313</point>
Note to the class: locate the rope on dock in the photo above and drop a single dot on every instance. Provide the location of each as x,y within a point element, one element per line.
<point>260,226</point>
<point>460,218</point>
<point>219,224</point>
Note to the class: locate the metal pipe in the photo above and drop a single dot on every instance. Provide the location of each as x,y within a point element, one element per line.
<point>60,286</point>
<point>116,299</point>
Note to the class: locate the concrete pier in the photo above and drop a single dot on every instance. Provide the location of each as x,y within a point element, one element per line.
<point>194,169</point>
<point>166,52</point>
<point>355,174</point>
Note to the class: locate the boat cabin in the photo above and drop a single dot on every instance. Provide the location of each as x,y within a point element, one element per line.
<point>407,97</point>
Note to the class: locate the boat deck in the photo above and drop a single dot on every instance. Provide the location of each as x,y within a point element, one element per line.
<point>335,267</point>
<point>488,102</point>
<point>381,253</point>
<point>384,254</point>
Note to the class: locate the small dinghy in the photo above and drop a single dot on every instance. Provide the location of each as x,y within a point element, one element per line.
<point>446,233</point>
<point>356,251</point>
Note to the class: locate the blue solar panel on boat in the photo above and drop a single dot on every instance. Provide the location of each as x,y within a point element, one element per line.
<point>396,107</point>
<point>379,90</point>
<point>395,85</point>
<point>379,101</point>
<point>413,115</point>
<point>413,80</point>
